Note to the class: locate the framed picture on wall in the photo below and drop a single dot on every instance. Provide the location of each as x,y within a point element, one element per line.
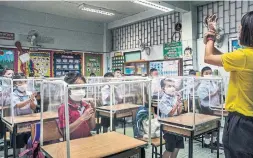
<point>234,44</point>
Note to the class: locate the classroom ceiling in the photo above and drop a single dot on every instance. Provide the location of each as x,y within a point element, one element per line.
<point>70,8</point>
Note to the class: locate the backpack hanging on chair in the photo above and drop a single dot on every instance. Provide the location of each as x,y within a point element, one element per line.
<point>33,145</point>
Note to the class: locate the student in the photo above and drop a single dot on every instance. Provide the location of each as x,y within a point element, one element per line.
<point>81,113</point>
<point>169,106</point>
<point>117,73</point>
<point>155,87</point>
<point>205,88</point>
<point>24,103</point>
<point>105,121</point>
<point>192,72</point>
<point>208,93</point>
<point>8,73</point>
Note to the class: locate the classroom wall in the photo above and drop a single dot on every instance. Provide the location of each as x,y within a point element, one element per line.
<point>68,33</point>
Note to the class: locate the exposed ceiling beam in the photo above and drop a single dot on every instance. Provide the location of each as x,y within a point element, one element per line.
<point>177,6</point>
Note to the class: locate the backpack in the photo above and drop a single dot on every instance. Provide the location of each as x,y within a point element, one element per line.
<point>141,114</point>
<point>33,145</point>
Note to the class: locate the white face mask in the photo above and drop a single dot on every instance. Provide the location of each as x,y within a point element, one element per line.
<point>207,75</point>
<point>77,95</point>
<point>22,88</point>
<point>170,90</point>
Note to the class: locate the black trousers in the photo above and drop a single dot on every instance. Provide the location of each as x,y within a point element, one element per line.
<point>238,136</point>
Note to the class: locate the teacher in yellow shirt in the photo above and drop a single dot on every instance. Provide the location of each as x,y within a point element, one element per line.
<point>238,130</point>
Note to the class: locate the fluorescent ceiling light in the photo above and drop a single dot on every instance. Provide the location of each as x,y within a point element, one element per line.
<point>99,11</point>
<point>153,5</point>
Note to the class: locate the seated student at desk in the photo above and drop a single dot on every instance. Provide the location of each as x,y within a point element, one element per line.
<point>24,103</point>
<point>169,106</point>
<point>208,90</point>
<point>105,121</point>
<point>81,114</point>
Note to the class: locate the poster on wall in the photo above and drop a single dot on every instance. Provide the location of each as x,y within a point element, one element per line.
<point>166,68</point>
<point>93,64</point>
<point>6,59</point>
<point>234,44</point>
<point>40,61</point>
<point>64,63</point>
<point>172,50</point>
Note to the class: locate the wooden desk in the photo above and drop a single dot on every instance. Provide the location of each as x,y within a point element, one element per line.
<point>119,111</point>
<point>109,144</point>
<point>183,125</point>
<point>15,126</point>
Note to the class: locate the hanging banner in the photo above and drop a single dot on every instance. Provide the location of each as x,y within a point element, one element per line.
<point>172,50</point>
<point>93,64</point>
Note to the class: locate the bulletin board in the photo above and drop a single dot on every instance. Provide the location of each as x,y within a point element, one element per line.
<point>172,67</point>
<point>7,58</point>
<point>93,63</point>
<point>41,61</point>
<point>64,63</point>
<point>39,64</point>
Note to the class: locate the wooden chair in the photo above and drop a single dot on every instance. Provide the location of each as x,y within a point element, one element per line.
<point>155,142</point>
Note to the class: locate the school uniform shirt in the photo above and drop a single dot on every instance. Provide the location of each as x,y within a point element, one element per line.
<point>75,111</point>
<point>203,93</point>
<point>156,88</point>
<point>20,97</point>
<point>166,105</point>
<point>240,89</point>
<point>106,95</point>
<point>5,95</point>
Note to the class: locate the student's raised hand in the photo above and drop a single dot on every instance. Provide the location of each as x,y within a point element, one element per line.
<point>87,114</point>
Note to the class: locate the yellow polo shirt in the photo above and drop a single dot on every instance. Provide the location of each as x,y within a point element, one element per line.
<point>240,90</point>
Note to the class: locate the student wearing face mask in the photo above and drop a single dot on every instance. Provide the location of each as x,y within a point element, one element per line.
<point>209,95</point>
<point>169,106</point>
<point>24,103</point>
<point>105,90</point>
<point>208,92</point>
<point>81,113</point>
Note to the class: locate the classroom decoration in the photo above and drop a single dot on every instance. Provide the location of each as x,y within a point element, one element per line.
<point>172,50</point>
<point>139,68</point>
<point>167,67</point>
<point>7,58</point>
<point>39,64</point>
<point>187,60</point>
<point>64,63</point>
<point>7,36</point>
<point>118,63</point>
<point>93,64</point>
<point>234,44</point>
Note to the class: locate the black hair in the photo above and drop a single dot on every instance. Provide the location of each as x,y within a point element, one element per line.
<point>205,69</point>
<point>18,76</point>
<point>152,70</point>
<point>92,74</point>
<point>71,77</point>
<point>116,70</point>
<point>188,48</point>
<point>163,82</point>
<point>5,70</point>
<point>192,72</point>
<point>246,35</point>
<point>109,74</point>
